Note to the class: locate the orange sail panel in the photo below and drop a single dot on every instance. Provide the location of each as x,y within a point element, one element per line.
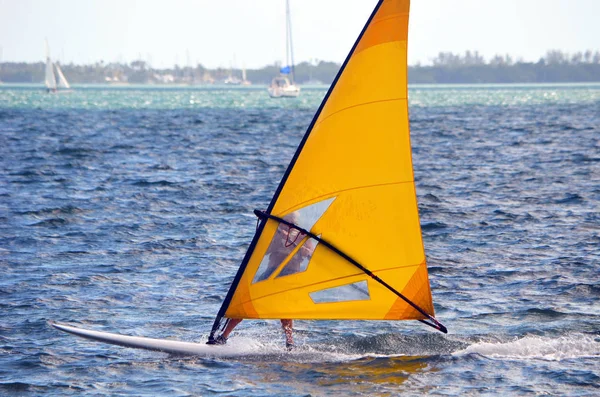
<point>350,184</point>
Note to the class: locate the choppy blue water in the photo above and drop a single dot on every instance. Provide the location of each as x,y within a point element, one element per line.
<point>129,210</point>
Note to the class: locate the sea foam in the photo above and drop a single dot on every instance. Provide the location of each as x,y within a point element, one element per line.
<point>536,347</point>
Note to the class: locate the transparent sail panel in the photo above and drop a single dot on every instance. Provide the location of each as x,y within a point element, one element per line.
<point>299,262</point>
<point>307,217</point>
<point>351,292</point>
<point>287,238</point>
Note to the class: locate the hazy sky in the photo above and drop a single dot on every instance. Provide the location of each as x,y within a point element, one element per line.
<point>250,33</point>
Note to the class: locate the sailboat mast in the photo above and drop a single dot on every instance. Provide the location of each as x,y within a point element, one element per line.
<point>289,49</point>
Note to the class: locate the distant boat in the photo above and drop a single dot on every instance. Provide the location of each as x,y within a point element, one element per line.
<point>283,86</point>
<point>231,79</point>
<point>51,78</point>
<point>245,81</point>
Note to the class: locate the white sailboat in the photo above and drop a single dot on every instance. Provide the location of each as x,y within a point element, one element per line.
<point>283,86</point>
<point>232,79</point>
<point>52,85</point>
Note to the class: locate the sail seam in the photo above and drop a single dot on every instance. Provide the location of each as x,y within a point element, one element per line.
<point>358,105</point>
<point>305,286</point>
<point>330,280</point>
<point>385,19</point>
<point>391,16</point>
<point>335,193</point>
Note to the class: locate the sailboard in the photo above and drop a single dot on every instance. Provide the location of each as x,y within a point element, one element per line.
<point>341,237</point>
<point>172,347</point>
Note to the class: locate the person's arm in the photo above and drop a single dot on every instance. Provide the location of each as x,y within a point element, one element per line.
<point>307,248</point>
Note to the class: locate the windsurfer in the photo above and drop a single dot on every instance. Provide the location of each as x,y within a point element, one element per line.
<point>285,240</point>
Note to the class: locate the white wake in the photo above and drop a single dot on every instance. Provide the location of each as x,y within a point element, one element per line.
<point>536,347</point>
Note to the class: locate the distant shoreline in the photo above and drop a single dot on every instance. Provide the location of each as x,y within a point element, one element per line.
<point>257,87</point>
<point>447,68</point>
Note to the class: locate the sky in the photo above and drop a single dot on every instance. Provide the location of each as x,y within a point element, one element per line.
<point>251,33</point>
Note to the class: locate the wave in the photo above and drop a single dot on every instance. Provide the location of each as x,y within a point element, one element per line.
<point>538,347</point>
<point>53,222</point>
<point>433,225</point>
<point>67,209</point>
<point>161,182</point>
<point>571,198</point>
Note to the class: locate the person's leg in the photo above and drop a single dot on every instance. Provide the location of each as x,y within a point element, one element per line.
<point>231,324</point>
<point>287,329</point>
<point>222,339</point>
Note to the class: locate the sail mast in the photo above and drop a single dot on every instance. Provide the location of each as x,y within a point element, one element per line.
<point>290,50</point>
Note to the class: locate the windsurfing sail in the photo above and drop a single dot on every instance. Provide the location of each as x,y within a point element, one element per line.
<point>341,238</point>
<point>62,81</point>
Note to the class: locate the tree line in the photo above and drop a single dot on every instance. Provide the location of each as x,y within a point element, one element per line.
<point>446,68</point>
<point>468,68</point>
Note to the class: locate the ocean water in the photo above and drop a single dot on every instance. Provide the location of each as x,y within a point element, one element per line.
<point>129,209</point>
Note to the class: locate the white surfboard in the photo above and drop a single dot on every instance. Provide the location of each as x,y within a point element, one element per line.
<point>161,345</point>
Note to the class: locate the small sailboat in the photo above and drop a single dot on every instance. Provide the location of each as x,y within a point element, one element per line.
<point>346,208</point>
<point>232,80</point>
<point>52,85</point>
<point>283,86</point>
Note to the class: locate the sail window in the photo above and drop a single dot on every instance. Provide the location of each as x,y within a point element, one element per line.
<point>299,261</point>
<point>350,292</point>
<point>286,241</point>
<point>308,216</point>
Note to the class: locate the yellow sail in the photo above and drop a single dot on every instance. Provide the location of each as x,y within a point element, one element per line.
<point>341,238</point>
